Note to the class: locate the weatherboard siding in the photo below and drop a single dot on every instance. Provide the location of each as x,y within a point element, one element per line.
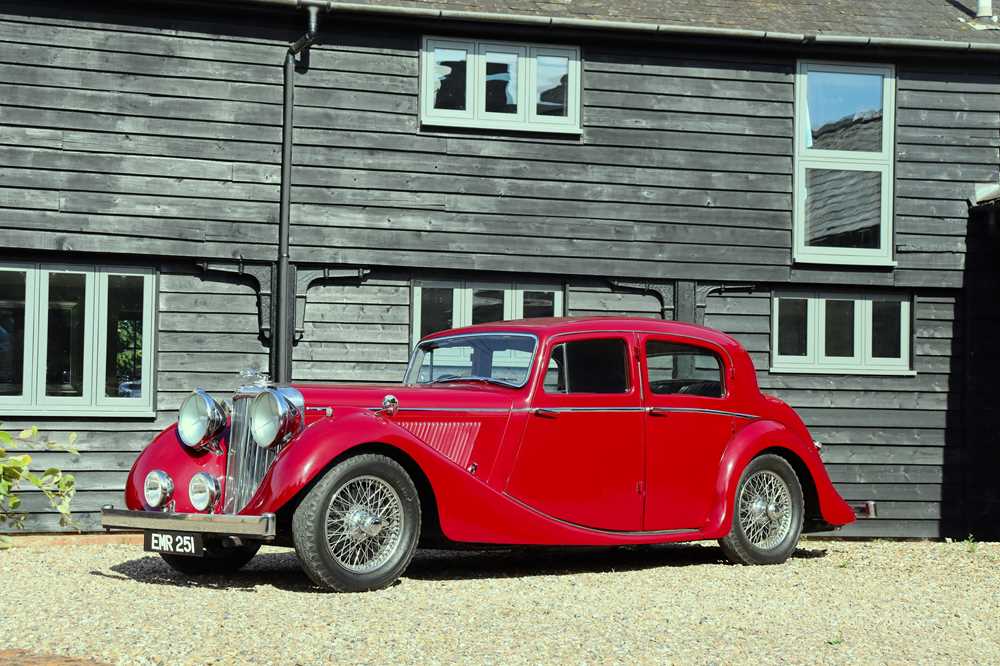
<point>133,137</point>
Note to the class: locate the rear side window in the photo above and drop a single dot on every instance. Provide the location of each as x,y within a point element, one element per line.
<point>683,369</point>
<point>588,366</point>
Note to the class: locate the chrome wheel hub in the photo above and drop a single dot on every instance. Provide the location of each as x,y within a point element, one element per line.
<point>364,524</point>
<point>764,506</point>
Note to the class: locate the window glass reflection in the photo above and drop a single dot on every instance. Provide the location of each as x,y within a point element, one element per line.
<point>845,111</point>
<point>886,329</point>
<point>487,305</point>
<point>839,340</point>
<point>551,85</point>
<point>449,85</point>
<point>539,304</point>
<point>66,334</point>
<point>501,82</point>
<point>437,309</point>
<point>792,326</point>
<point>123,361</point>
<point>12,293</point>
<point>843,208</point>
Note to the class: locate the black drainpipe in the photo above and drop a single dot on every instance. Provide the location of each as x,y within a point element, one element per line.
<point>285,288</point>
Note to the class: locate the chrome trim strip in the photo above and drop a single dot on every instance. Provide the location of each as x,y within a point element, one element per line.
<point>591,409</point>
<point>503,410</point>
<point>683,530</point>
<point>695,410</point>
<point>263,526</point>
<point>698,410</point>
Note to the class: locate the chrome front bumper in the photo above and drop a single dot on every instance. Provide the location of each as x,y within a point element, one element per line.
<point>258,527</point>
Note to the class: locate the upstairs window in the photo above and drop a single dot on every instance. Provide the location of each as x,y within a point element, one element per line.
<point>841,333</point>
<point>75,340</point>
<point>843,163</point>
<point>500,85</point>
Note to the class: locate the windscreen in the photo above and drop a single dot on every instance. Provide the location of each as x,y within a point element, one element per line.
<point>498,358</point>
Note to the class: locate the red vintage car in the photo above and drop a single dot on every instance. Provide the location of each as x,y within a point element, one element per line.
<point>570,431</point>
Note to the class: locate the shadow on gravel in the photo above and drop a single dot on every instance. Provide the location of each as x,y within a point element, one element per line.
<point>282,571</point>
<point>279,570</point>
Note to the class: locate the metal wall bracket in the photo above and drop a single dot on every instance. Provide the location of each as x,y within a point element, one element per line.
<point>261,278</point>
<point>703,291</point>
<point>663,291</point>
<point>309,277</point>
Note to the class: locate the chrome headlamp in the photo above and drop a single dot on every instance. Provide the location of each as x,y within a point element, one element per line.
<point>276,415</point>
<point>158,488</point>
<point>200,419</point>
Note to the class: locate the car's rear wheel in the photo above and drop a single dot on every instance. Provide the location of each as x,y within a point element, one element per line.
<point>767,514</point>
<point>357,529</point>
<point>218,559</point>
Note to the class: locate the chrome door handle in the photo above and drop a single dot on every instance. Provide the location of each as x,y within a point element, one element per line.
<point>545,413</point>
<point>658,411</point>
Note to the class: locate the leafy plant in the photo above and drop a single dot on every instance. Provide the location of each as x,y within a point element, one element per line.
<point>970,544</point>
<point>57,487</point>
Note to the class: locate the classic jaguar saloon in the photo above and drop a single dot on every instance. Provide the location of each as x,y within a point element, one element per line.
<point>573,431</point>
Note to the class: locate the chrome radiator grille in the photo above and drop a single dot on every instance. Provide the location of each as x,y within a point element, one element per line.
<point>246,463</point>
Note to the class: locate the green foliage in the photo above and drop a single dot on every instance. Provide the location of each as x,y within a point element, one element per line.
<point>57,487</point>
<point>970,544</point>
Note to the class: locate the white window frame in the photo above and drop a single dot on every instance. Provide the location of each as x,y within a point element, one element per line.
<point>462,295</point>
<point>475,114</point>
<point>33,401</point>
<point>815,360</point>
<point>880,162</point>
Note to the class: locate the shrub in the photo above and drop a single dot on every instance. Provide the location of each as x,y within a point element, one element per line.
<point>57,487</point>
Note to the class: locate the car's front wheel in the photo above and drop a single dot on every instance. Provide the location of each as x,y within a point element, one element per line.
<point>767,515</point>
<point>357,529</point>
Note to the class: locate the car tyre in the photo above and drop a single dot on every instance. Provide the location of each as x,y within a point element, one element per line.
<point>357,529</point>
<point>767,513</point>
<point>217,560</point>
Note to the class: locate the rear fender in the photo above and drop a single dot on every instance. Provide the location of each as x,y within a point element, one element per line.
<point>749,443</point>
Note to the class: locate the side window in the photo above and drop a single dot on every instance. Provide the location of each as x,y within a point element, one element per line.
<point>588,366</point>
<point>683,369</point>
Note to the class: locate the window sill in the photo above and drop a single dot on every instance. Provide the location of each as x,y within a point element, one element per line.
<point>839,260</point>
<point>49,413</point>
<point>432,124</point>
<point>815,370</point>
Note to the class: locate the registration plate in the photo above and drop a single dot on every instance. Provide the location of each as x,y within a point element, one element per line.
<point>174,543</point>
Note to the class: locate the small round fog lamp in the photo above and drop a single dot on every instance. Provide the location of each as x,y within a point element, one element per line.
<point>158,488</point>
<point>203,490</point>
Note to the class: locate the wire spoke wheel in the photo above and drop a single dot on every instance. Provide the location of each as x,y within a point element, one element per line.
<point>765,509</point>
<point>364,524</point>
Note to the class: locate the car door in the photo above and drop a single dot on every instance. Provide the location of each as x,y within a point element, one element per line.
<point>580,458</point>
<point>686,427</point>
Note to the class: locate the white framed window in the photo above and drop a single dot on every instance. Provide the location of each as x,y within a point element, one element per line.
<point>844,120</point>
<point>76,340</point>
<point>500,85</point>
<point>840,333</point>
<point>438,306</point>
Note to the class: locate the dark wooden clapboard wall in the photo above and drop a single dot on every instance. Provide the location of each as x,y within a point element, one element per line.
<point>154,135</point>
<point>140,135</point>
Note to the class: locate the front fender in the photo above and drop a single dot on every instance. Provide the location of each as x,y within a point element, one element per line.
<point>750,442</point>
<point>321,443</point>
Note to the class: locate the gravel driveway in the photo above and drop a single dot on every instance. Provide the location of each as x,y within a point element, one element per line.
<point>834,602</point>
